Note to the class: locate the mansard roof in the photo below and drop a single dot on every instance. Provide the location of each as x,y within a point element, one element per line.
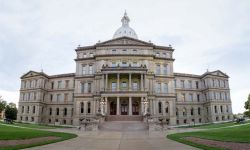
<point>125,41</point>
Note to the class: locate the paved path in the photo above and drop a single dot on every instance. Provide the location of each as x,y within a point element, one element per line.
<point>108,139</point>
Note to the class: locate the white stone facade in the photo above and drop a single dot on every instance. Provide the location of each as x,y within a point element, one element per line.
<point>124,78</point>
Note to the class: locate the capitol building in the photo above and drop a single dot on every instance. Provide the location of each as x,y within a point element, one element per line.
<point>125,79</point>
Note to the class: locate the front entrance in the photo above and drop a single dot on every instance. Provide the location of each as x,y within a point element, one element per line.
<point>112,108</point>
<point>135,107</point>
<point>124,107</point>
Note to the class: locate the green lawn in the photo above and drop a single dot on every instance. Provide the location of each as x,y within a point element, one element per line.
<point>212,125</point>
<point>15,133</point>
<point>232,134</point>
<point>36,126</point>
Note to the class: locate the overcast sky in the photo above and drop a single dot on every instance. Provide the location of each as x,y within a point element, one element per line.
<point>205,34</point>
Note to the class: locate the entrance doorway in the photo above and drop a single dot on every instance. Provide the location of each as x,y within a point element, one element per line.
<point>135,107</point>
<point>112,108</point>
<point>124,107</point>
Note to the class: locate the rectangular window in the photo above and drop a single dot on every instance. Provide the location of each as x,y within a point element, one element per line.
<point>183,96</point>
<point>66,95</point>
<point>51,97</point>
<point>135,64</point>
<point>158,87</point>
<point>124,51</point>
<point>58,97</point>
<point>59,84</point>
<point>165,69</point>
<point>124,64</point>
<point>67,84</point>
<point>124,84</point>
<point>175,83</point>
<point>191,97</point>
<point>182,84</point>
<point>190,84</point>
<point>158,69</point>
<point>84,55</point>
<point>90,69</point>
<point>89,87</point>
<point>52,85</point>
<point>165,88</point>
<point>91,54</point>
<point>164,55</point>
<point>215,109</point>
<point>135,86</point>
<point>113,86</point>
<point>82,88</point>
<point>84,69</point>
<point>113,51</point>
<point>113,64</point>
<point>157,54</point>
<point>197,84</point>
<point>198,97</point>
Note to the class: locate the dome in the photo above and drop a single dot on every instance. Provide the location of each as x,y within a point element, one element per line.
<point>125,30</point>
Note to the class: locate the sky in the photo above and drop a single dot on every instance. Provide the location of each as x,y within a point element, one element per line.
<point>42,35</point>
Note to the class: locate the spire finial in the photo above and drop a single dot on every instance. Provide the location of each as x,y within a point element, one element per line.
<point>125,19</point>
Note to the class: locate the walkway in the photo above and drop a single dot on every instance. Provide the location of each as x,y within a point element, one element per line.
<point>130,137</point>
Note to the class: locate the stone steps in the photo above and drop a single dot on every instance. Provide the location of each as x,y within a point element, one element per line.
<point>123,118</point>
<point>123,126</point>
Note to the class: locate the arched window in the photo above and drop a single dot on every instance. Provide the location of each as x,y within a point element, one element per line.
<point>65,112</point>
<point>160,107</point>
<point>82,107</point>
<point>57,111</point>
<point>89,107</point>
<point>192,111</point>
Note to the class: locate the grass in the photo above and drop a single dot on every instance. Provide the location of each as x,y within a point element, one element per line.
<point>231,134</point>
<point>15,133</point>
<point>212,125</point>
<point>36,126</point>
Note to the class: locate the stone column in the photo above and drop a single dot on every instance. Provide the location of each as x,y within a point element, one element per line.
<point>102,83</point>
<point>141,82</point>
<point>163,108</point>
<point>130,106</point>
<point>118,106</point>
<point>142,107</point>
<point>129,81</point>
<point>85,107</point>
<point>106,106</point>
<point>118,82</point>
<point>106,83</point>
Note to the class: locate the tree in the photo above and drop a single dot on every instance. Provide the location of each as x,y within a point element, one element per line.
<point>2,104</point>
<point>11,112</point>
<point>247,107</point>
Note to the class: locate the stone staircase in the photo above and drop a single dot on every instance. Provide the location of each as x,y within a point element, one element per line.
<point>123,118</point>
<point>123,126</point>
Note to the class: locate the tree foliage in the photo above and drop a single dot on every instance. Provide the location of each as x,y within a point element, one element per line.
<point>247,107</point>
<point>11,112</point>
<point>2,104</point>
